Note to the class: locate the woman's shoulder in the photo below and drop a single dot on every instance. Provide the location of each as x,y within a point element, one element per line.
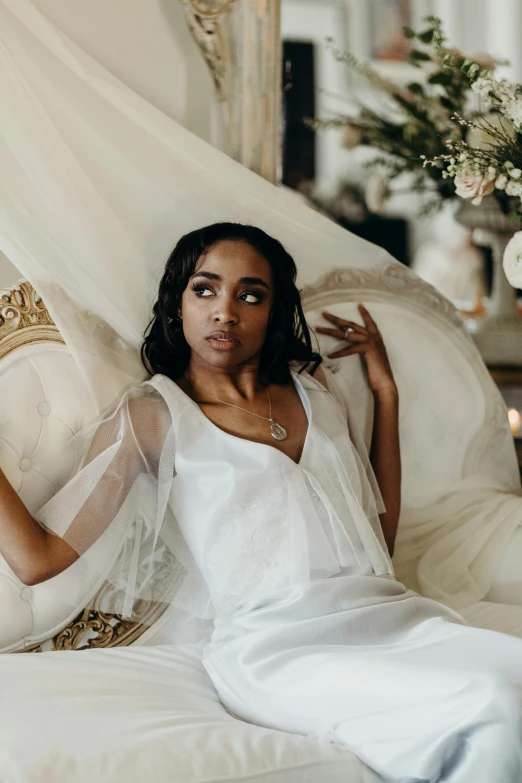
<point>324,380</point>
<point>158,396</point>
<point>304,370</point>
<point>162,383</point>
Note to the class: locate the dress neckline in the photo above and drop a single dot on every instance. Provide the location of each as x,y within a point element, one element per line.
<point>306,405</point>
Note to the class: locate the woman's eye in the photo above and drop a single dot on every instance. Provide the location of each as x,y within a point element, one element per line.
<point>256,297</point>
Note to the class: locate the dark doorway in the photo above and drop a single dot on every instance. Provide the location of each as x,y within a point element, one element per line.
<point>298,103</point>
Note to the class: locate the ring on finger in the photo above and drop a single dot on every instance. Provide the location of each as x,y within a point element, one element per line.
<point>347,329</point>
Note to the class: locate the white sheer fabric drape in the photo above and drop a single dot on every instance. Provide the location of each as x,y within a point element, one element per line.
<point>119,482</point>
<point>97,186</point>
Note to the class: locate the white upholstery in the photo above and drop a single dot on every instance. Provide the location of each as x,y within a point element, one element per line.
<point>452,418</point>
<point>43,403</point>
<point>171,728</point>
<point>451,423</point>
<point>442,407</point>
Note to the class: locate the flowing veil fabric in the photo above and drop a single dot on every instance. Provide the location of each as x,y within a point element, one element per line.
<point>97,187</point>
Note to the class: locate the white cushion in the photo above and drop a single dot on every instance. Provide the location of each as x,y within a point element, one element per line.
<point>442,403</point>
<point>44,402</point>
<point>132,714</point>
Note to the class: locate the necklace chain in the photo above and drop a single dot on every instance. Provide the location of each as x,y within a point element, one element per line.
<point>269,418</point>
<point>277,430</point>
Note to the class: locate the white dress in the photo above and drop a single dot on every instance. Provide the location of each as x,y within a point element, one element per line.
<point>311,633</point>
<point>355,657</point>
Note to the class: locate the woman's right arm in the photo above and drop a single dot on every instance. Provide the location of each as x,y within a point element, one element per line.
<point>134,438</point>
<point>33,554</point>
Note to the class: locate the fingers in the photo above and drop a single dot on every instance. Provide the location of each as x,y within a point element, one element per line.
<point>356,327</point>
<point>349,350</point>
<point>332,332</point>
<point>362,334</point>
<point>368,320</point>
<point>369,323</point>
<point>340,323</point>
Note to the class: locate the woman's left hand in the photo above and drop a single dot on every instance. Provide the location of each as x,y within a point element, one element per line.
<point>367,341</point>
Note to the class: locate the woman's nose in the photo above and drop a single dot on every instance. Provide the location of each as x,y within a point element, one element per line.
<point>225,312</point>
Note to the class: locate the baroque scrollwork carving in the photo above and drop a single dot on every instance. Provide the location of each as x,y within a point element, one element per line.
<point>20,306</point>
<point>91,630</point>
<point>241,43</point>
<point>392,280</point>
<point>24,318</point>
<point>204,19</point>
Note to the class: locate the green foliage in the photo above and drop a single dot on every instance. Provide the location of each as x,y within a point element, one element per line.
<point>427,36</point>
<point>414,122</point>
<point>416,57</point>
<point>440,77</point>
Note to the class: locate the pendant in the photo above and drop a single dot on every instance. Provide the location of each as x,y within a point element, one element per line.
<point>278,432</point>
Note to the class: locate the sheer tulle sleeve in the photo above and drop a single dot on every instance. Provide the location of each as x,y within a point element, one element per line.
<point>112,507</point>
<point>107,458</point>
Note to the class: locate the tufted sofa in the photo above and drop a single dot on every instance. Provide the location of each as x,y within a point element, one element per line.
<point>453,423</point>
<point>44,403</point>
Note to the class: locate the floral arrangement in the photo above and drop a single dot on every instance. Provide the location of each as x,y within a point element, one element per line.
<point>493,166</point>
<point>413,122</point>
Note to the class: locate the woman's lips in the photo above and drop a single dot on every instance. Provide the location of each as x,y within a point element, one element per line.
<point>222,345</point>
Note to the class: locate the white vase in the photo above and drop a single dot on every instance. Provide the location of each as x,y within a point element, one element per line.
<point>497,333</point>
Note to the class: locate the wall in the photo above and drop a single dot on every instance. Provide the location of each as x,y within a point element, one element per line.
<point>494,26</point>
<point>146,44</point>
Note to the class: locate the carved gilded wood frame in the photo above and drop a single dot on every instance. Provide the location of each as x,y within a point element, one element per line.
<point>241,43</point>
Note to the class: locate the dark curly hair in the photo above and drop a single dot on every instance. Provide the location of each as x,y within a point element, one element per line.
<point>165,349</point>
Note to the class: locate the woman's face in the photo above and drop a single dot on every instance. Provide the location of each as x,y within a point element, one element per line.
<point>218,298</point>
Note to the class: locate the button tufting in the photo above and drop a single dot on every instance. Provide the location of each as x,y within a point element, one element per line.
<point>44,408</point>
<point>25,464</point>
<point>26,593</point>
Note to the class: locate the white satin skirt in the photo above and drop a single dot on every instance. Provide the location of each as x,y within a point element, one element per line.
<point>396,678</point>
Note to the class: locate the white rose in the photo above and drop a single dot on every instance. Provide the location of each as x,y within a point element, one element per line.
<point>351,136</point>
<point>501,182</point>
<point>514,188</point>
<point>513,260</point>
<point>482,87</point>
<point>376,193</point>
<point>473,186</point>
<point>515,173</point>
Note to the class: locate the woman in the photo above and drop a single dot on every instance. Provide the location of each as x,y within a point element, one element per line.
<point>252,476</point>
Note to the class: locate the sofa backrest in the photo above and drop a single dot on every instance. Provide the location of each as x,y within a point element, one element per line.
<point>453,423</point>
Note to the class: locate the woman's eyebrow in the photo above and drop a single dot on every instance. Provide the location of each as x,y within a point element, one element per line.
<point>247,280</point>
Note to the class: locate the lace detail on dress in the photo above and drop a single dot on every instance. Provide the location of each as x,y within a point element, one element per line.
<point>250,554</point>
